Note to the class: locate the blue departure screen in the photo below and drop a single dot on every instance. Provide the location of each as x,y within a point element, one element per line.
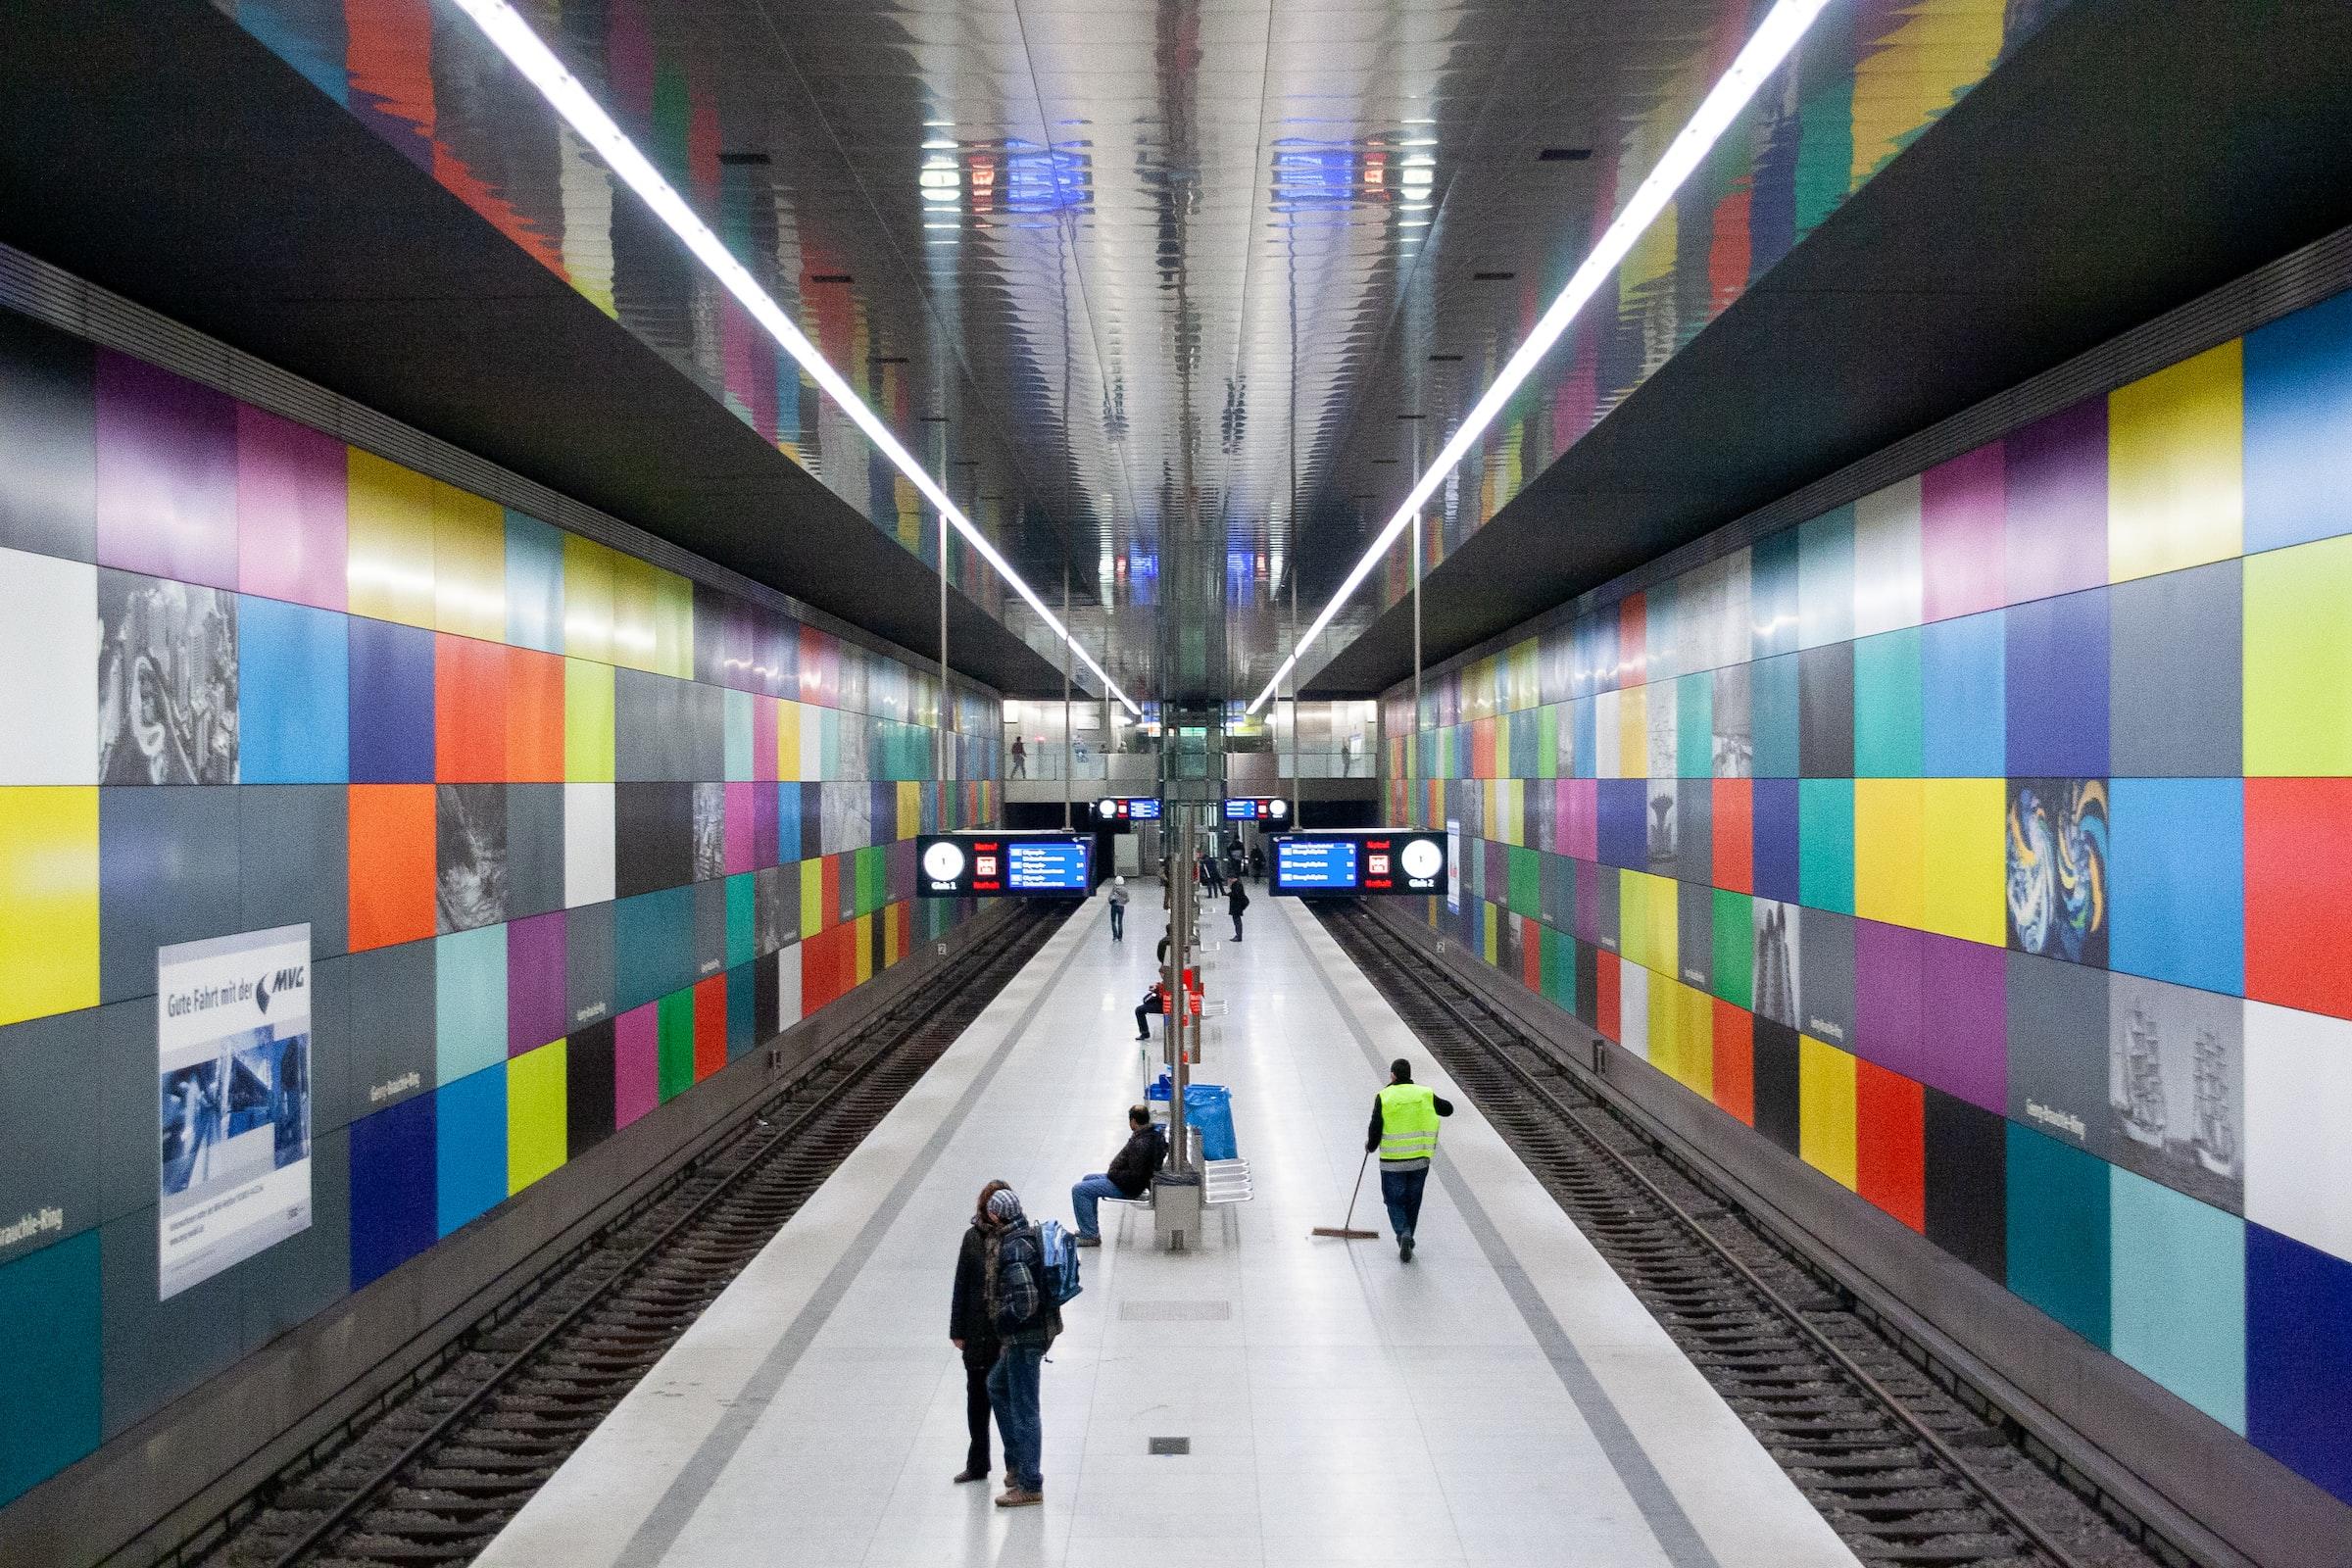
<point>1046,866</point>
<point>1240,810</point>
<point>1145,811</point>
<point>1314,865</point>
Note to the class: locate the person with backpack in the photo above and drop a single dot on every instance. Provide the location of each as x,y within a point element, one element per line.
<point>1404,1132</point>
<point>974,1334</point>
<point>1118,908</point>
<point>1032,1269</point>
<point>1130,1175</point>
<point>1236,899</point>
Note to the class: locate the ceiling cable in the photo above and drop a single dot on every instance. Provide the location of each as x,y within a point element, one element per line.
<point>1763,54</point>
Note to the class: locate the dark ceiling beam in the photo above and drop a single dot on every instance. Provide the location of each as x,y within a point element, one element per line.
<point>2132,156</point>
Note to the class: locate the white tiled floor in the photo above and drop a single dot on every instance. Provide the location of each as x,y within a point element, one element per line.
<point>1504,1399</point>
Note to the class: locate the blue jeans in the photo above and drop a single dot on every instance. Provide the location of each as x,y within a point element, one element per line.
<point>1401,1190</point>
<point>1013,1394</point>
<point>1118,922</point>
<point>1086,1195</point>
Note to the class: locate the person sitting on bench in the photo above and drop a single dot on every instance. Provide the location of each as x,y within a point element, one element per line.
<point>1129,1177</point>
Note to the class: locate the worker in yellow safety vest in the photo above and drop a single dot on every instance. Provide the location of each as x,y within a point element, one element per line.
<point>1404,1133</point>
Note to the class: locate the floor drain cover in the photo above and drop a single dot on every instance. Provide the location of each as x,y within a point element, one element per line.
<point>1171,1446</point>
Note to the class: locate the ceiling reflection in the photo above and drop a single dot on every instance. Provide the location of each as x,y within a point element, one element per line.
<point>1173,296</point>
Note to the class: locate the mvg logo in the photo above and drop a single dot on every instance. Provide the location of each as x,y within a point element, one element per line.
<point>291,978</point>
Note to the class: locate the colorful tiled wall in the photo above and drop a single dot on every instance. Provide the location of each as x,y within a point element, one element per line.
<point>570,832</point>
<point>1987,844</point>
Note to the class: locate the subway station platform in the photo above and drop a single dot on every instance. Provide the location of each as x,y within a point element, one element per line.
<point>1502,1400</point>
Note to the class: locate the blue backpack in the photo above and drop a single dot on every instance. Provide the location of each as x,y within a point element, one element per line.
<point>1057,1255</point>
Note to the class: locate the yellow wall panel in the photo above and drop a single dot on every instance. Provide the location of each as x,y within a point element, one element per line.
<point>673,626</point>
<point>48,900</point>
<point>812,897</point>
<point>470,564</point>
<point>587,599</point>
<point>1888,855</point>
<point>587,722</point>
<point>1825,1110</point>
<point>2175,466</point>
<point>1962,866</point>
<point>910,809</point>
<point>865,948</point>
<point>1633,732</point>
<point>388,573</point>
<point>788,739</point>
<point>636,612</point>
<point>536,1115</point>
<point>1661,909</point>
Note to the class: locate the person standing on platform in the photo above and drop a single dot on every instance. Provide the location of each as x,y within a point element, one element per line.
<point>1236,899</point>
<point>1130,1175</point>
<point>1404,1132</point>
<point>1026,1321</point>
<point>974,1334</point>
<point>1118,908</point>
<point>1257,861</point>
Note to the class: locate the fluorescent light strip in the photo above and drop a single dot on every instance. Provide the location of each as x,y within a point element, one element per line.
<point>513,36</point>
<point>1762,55</point>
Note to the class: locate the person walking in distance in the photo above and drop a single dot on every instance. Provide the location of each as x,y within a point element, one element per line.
<point>1020,759</point>
<point>974,1333</point>
<point>1236,899</point>
<point>1129,1174</point>
<point>1404,1133</point>
<point>1118,908</point>
<point>1026,1321</point>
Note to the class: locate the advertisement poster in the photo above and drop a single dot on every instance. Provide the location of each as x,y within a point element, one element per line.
<point>233,1028</point>
<point>1453,865</point>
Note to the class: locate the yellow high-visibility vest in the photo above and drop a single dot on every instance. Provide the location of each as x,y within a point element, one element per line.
<point>1408,1123</point>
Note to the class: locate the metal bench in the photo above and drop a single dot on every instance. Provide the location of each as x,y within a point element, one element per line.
<point>1225,1181</point>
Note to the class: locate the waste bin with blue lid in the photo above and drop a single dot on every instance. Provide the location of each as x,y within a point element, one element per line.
<point>1208,1111</point>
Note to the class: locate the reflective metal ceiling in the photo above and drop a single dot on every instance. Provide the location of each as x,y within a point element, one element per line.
<point>1178,293</point>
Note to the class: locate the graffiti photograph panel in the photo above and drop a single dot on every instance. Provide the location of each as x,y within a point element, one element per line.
<point>166,682</point>
<point>469,887</point>
<point>2057,850</point>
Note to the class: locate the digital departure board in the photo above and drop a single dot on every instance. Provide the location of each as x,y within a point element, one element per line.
<point>1272,811</point>
<point>992,865</point>
<point>1127,808</point>
<point>1314,865</point>
<point>1362,860</point>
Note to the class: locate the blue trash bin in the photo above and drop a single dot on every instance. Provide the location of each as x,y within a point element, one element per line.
<point>1208,1111</point>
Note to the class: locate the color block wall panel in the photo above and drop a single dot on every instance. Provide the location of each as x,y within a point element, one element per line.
<point>49,702</point>
<point>2020,890</point>
<point>2176,491</point>
<point>327,691</point>
<point>293,492</point>
<point>389,523</point>
<point>49,900</point>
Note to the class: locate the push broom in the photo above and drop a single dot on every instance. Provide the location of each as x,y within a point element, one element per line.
<point>1341,1231</point>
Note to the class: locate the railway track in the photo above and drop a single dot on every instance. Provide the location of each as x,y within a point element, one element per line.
<point>439,1472</point>
<point>1902,1469</point>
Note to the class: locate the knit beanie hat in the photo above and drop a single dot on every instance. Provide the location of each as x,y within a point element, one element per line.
<point>1004,1206</point>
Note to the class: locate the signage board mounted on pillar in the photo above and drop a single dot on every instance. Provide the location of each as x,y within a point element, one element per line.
<point>1004,865</point>
<point>1123,809</point>
<point>1272,811</point>
<point>1361,861</point>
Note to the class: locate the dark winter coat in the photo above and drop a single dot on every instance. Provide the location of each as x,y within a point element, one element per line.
<point>968,1312</point>
<point>1134,1165</point>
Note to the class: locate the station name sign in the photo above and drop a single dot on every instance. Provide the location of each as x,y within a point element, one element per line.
<point>1362,860</point>
<point>998,865</point>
